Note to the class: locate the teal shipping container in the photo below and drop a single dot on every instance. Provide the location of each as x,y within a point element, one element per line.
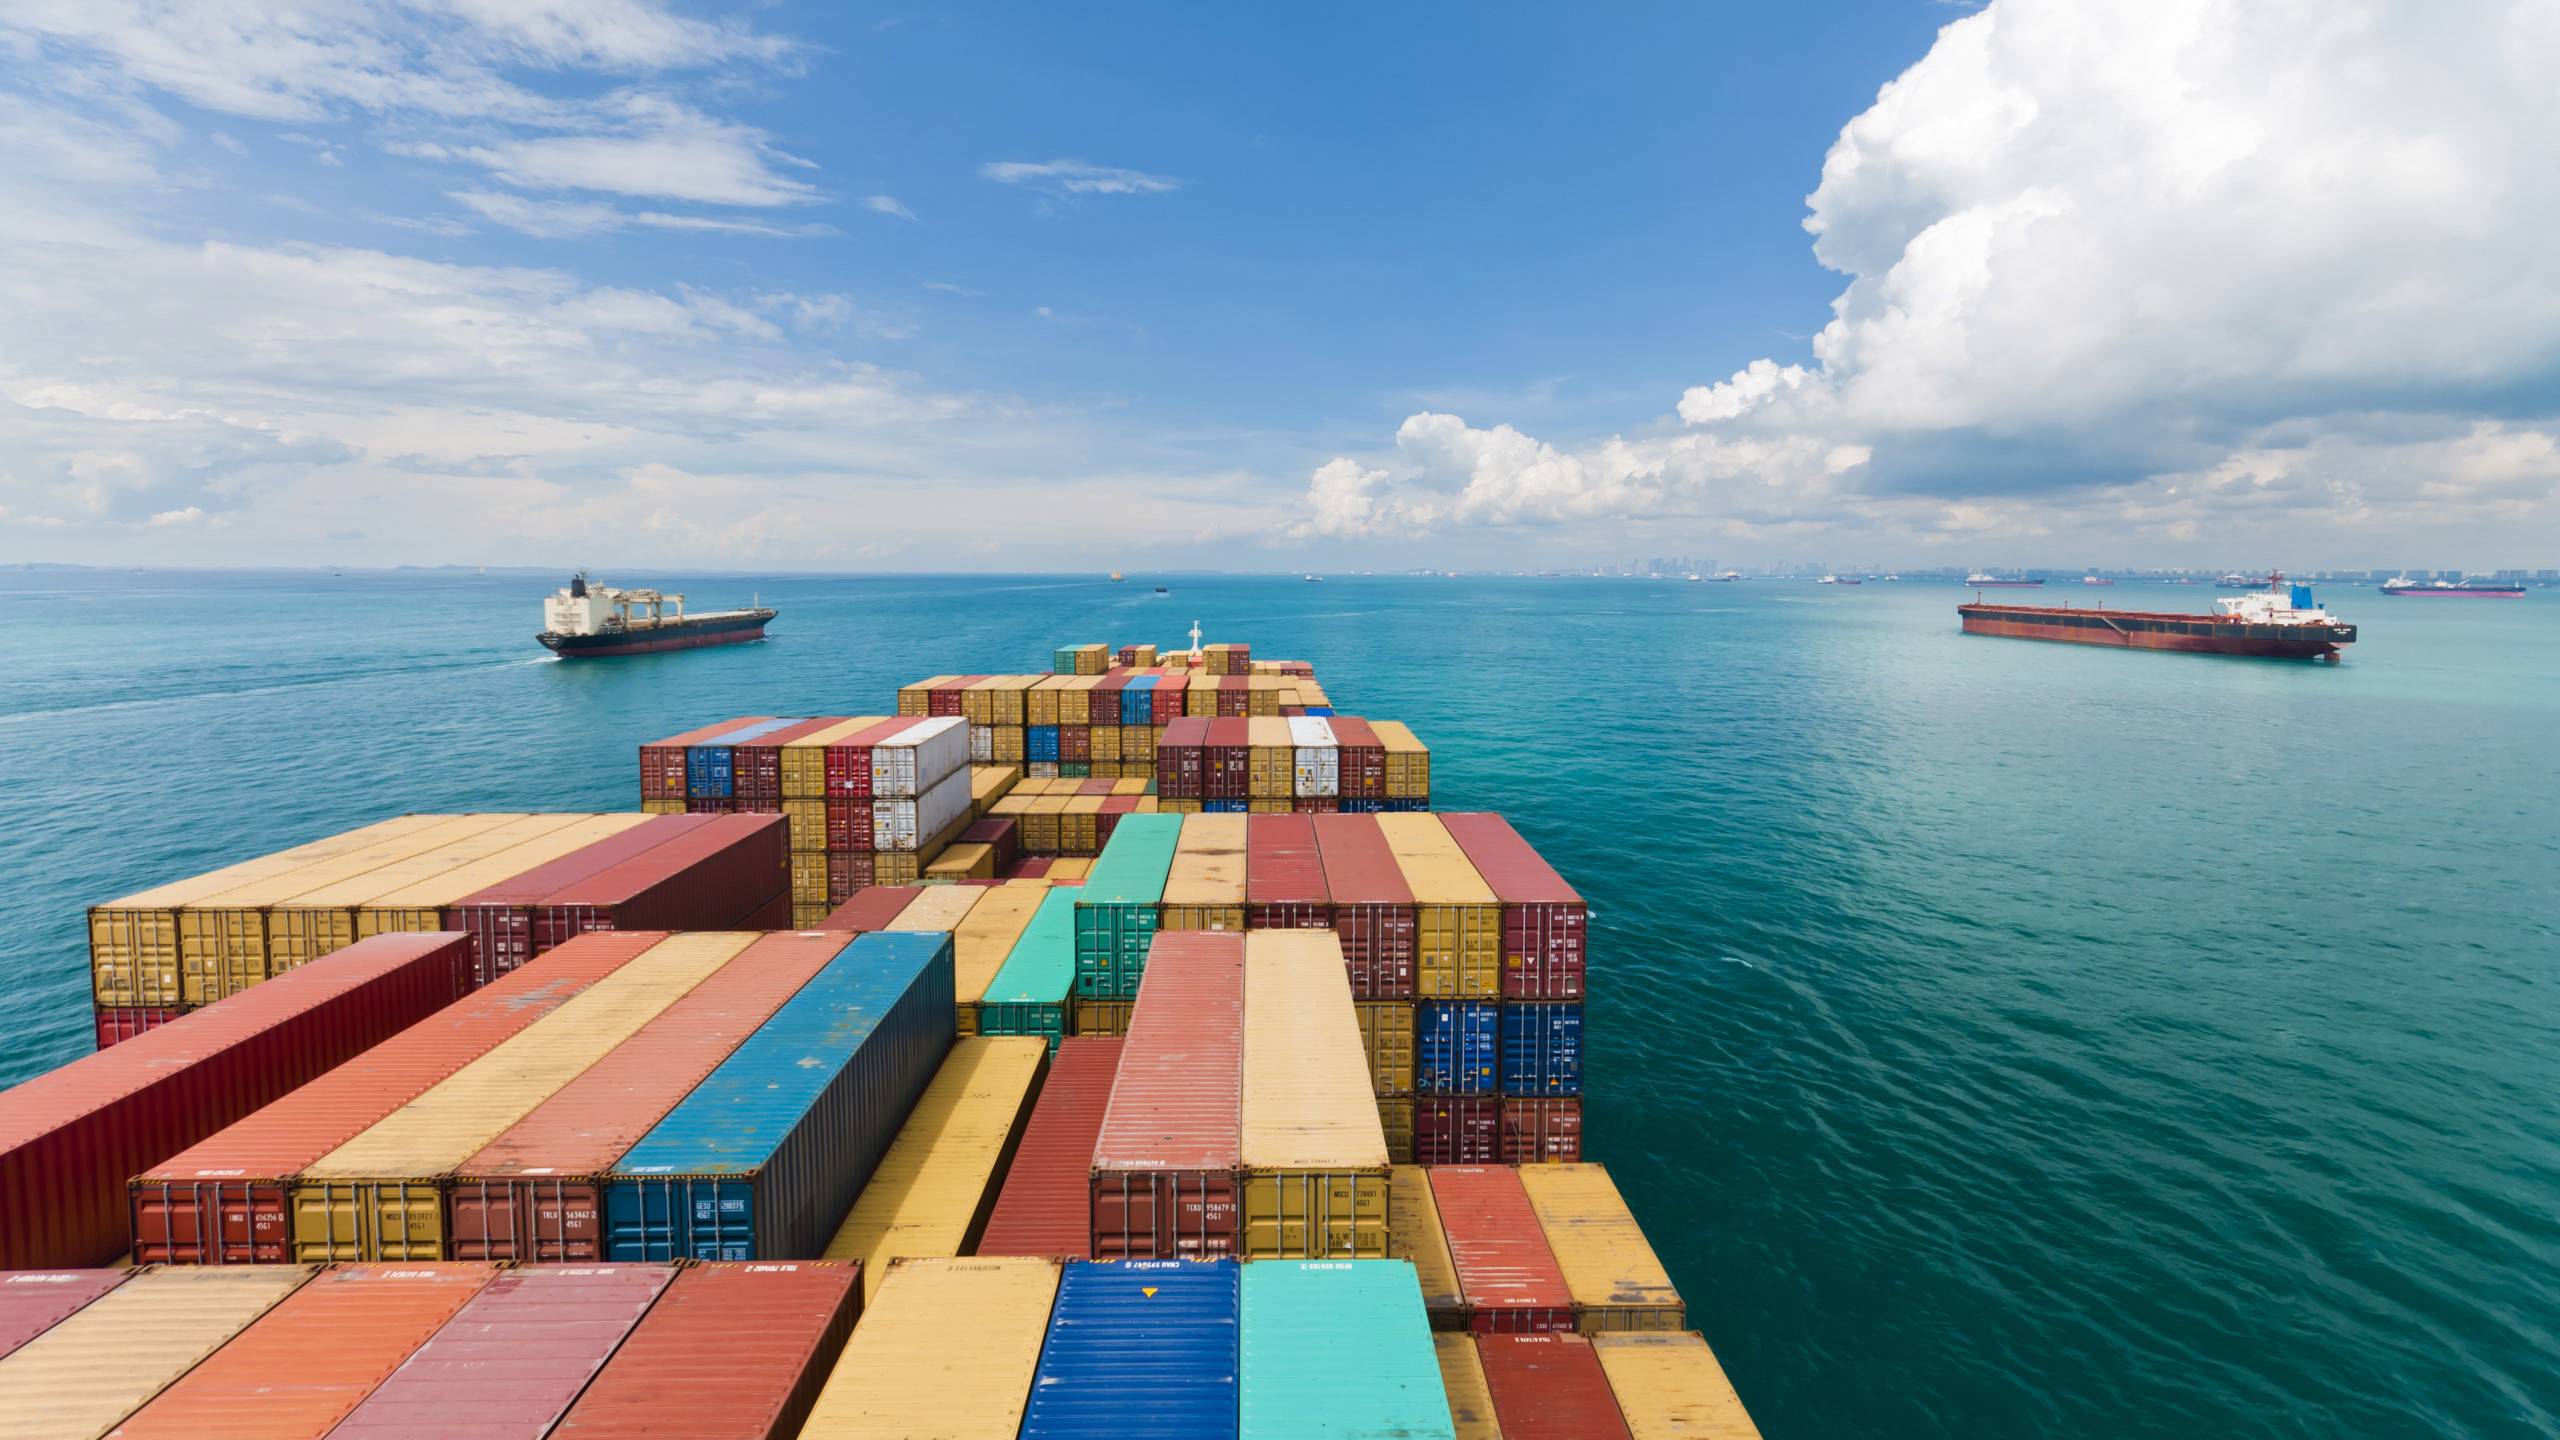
<point>1034,991</point>
<point>1338,1350</point>
<point>1116,907</point>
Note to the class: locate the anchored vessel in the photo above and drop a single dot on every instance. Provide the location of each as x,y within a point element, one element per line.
<point>2280,622</point>
<point>2403,585</point>
<point>585,620</point>
<point>1980,581</point>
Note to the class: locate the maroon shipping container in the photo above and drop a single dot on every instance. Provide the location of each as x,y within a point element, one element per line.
<point>1107,818</point>
<point>848,824</point>
<point>1235,696</point>
<point>1000,834</point>
<point>944,699</point>
<point>1506,1272</point>
<point>710,805</point>
<point>1545,1130</point>
<point>515,1357</point>
<point>1372,906</point>
<point>71,1138</point>
<point>848,876</point>
<point>1363,758</point>
<point>1075,743</point>
<point>1030,867</point>
<point>122,1022</point>
<point>730,1352</point>
<point>756,765</point>
<point>1316,804</point>
<point>710,879</point>
<point>776,915</point>
<point>34,1301</point>
<point>871,908</point>
<point>1165,703</point>
<point>1549,1387</point>
<point>499,920</point>
<point>1103,700</point>
<point>1284,885</point>
<point>1457,1130</point>
<point>1545,925</point>
<point>662,761</point>
<point>222,1200</point>
<point>1046,1204</point>
<point>1164,1165</point>
<point>849,764</point>
<point>1224,771</point>
<point>1181,763</point>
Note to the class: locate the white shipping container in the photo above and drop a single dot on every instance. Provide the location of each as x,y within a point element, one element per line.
<point>1040,770</point>
<point>1319,759</point>
<point>904,825</point>
<point>982,744</point>
<point>917,758</point>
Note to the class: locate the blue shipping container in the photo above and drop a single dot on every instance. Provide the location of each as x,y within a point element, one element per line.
<point>1456,1047</point>
<point>1224,807</point>
<point>1397,807</point>
<point>1542,1049</point>
<point>1138,701</point>
<point>1364,805</point>
<point>711,768</point>
<point>1139,1350</point>
<point>765,1156</point>
<point>1319,709</point>
<point>1040,742</point>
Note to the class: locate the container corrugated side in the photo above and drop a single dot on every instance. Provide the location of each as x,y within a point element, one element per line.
<point>871,908</point>
<point>84,1376</point>
<point>34,1301</point>
<point>930,1195</point>
<point>1117,910</point>
<point>946,1349</point>
<point>430,903</point>
<point>1337,1348</point>
<point>1164,1165</point>
<point>514,1358</point>
<point>1670,1387</point>
<point>1457,919</point>
<point>764,1156</point>
<point>1505,1270</point>
<point>1549,1387</point>
<point>1462,1375</point>
<point>312,924</point>
<point>304,1365</point>
<point>1169,1326</point>
<point>1372,905</point>
<point>381,1195</point>
<point>1408,760</point>
<point>1034,992</point>
<point>1314,1155</point>
<point>1616,1280</point>
<point>1545,923</point>
<point>71,1138</point>
<point>1045,1206</point>
<point>1415,1237</point>
<point>1386,1032</point>
<point>729,1352</point>
<point>1284,885</point>
<point>708,879</point>
<point>1204,889</point>
<point>981,943</point>
<point>223,1200</point>
<point>499,919</point>
<point>536,1192</point>
<point>664,763</point>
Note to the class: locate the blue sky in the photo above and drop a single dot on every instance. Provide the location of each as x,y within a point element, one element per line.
<point>817,285</point>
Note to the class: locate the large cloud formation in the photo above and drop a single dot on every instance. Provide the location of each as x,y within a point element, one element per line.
<point>2123,268</point>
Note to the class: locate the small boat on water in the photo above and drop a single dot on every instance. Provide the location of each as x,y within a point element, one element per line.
<point>1840,580</point>
<point>2403,585</point>
<point>1162,591</point>
<point>1312,579</point>
<point>2095,580</point>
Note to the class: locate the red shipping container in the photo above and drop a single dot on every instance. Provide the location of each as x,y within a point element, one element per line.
<point>871,908</point>
<point>1235,696</point>
<point>298,1371</point>
<point>1545,924</point>
<point>516,1355</point>
<point>122,1022</point>
<point>1164,1164</point>
<point>1541,1131</point>
<point>222,1200</point>
<point>532,1194</point>
<point>69,1139</point>
<point>1181,758</point>
<point>1224,772</point>
<point>1165,703</point>
<point>1075,743</point>
<point>1096,787</point>
<point>1316,804</point>
<point>944,699</point>
<point>755,772</point>
<point>1102,705</point>
<point>1457,1130</point>
<point>662,761</point>
<point>1372,906</point>
<point>710,879</point>
<point>848,824</point>
<point>1284,885</point>
<point>1363,758</point>
<point>34,1301</point>
<point>849,762</point>
<point>1031,867</point>
<point>847,876</point>
<point>730,1352</point>
<point>1506,1272</point>
<point>1000,834</point>
<point>1549,1387</point>
<point>499,920</point>
<point>776,915</point>
<point>710,805</point>
<point>1108,818</point>
<point>1046,1204</point>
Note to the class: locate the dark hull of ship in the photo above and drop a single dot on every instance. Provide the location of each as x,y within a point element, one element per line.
<point>669,635</point>
<point>2157,630</point>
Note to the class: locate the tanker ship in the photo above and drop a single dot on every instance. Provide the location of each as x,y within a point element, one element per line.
<point>585,620</point>
<point>2493,590</point>
<point>2279,622</point>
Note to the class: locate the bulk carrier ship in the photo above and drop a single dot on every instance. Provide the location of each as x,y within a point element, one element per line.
<point>583,620</point>
<point>2279,622</point>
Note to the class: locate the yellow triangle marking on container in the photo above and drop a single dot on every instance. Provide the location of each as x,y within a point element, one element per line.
<point>1147,1290</point>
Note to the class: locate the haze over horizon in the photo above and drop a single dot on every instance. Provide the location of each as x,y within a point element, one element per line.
<point>2172,284</point>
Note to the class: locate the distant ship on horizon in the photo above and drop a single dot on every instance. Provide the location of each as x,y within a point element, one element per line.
<point>1980,581</point>
<point>585,621</point>
<point>2492,590</point>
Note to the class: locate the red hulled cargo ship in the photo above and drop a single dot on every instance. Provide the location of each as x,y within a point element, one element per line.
<point>2279,623</point>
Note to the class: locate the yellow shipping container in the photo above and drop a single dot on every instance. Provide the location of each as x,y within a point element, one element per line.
<point>1262,695</point>
<point>945,1349</point>
<point>991,783</point>
<point>1176,805</point>
<point>897,868</point>
<point>940,909</point>
<point>1104,746</point>
<point>1315,1156</point>
<point>1414,1235</point>
<point>1386,1033</point>
<point>89,1373</point>
<point>1457,922</point>
<point>1011,700</point>
<point>931,1192</point>
<point>1065,869</point>
<point>1040,824</point>
<point>1277,805</point>
<point>1006,745</point>
<point>661,807</point>
<point>973,861</point>
<point>806,916</point>
<point>1103,1017</point>
<point>977,702</point>
<point>1616,1281</point>
<point>1270,759</point>
<point>423,906</point>
<point>1040,702</point>
<point>808,877</point>
<point>980,943</point>
<point>1669,1387</point>
<point>804,765</point>
<point>1138,785</point>
<point>222,940</point>
<point>309,925</point>
<point>917,699</point>
<point>1462,1376</point>
<point>1200,699</point>
<point>133,942</point>
<point>1078,830</point>
<point>380,1196</point>
<point>1138,745</point>
<point>1408,762</point>
<point>1205,888</point>
<point>1395,1116</point>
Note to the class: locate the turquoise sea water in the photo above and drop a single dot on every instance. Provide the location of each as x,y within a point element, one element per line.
<point>1998,1039</point>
